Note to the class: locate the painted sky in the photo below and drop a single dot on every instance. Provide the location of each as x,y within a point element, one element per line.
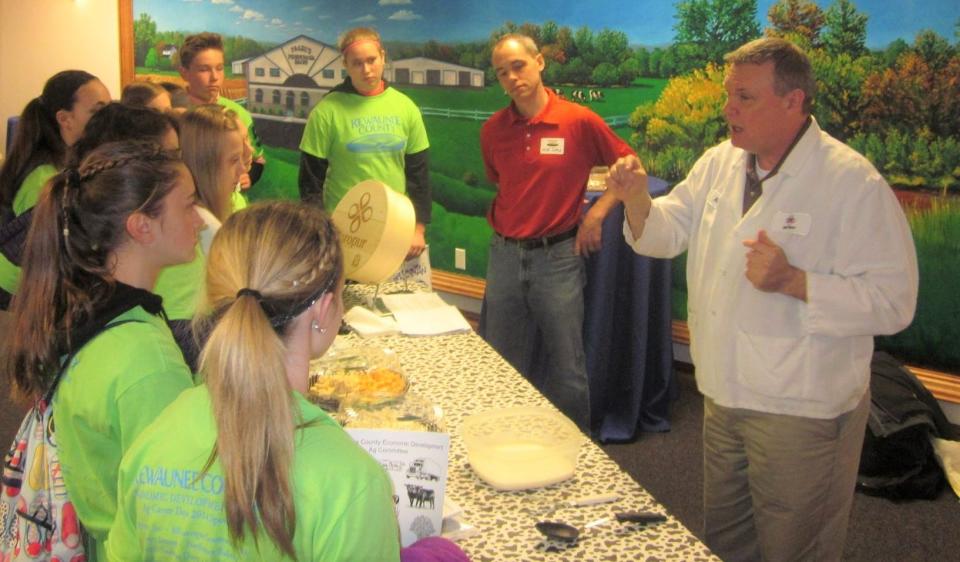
<point>646,22</point>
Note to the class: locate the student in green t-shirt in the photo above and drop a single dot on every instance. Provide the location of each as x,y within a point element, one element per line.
<point>98,239</point>
<point>212,145</point>
<point>243,467</point>
<point>364,129</point>
<point>48,126</point>
<point>202,68</point>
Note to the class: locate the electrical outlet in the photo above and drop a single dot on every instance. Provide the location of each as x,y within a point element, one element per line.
<point>460,258</point>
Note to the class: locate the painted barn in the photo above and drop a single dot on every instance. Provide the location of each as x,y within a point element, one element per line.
<point>421,71</point>
<point>291,78</point>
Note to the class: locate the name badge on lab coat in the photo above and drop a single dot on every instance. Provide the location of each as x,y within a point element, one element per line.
<point>551,145</point>
<point>797,224</point>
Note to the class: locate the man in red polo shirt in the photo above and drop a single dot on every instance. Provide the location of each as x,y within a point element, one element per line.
<point>539,151</point>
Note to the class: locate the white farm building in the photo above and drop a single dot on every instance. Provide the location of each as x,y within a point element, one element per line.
<point>291,78</point>
<point>421,71</point>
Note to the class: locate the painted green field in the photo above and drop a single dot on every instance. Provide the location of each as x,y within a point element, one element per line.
<point>279,180</point>
<point>455,148</point>
<point>931,338</point>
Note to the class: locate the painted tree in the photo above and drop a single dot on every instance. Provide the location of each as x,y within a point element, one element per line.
<point>914,95</point>
<point>583,44</point>
<point>611,46</point>
<point>150,61</point>
<point>840,102</point>
<point>656,56</point>
<point>576,71</point>
<point>846,29</point>
<point>893,51</point>
<point>717,26</point>
<point>549,32</point>
<point>144,36</point>
<point>605,74</point>
<point>564,41</point>
<point>642,56</point>
<point>933,48</point>
<point>629,71</point>
<point>532,31</point>
<point>796,20</point>
<point>684,58</point>
<point>687,119</point>
<point>668,63</point>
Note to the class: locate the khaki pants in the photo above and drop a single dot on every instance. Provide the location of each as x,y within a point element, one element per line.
<point>777,487</point>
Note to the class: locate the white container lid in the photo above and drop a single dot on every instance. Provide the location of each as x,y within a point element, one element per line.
<point>521,448</point>
<point>376,227</point>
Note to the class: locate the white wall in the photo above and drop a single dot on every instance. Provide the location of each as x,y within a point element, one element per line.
<point>39,38</point>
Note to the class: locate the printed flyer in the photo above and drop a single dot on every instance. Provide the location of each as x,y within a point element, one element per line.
<point>417,464</point>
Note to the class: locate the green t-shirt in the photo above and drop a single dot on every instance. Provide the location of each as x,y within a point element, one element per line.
<point>168,511</point>
<point>115,386</point>
<point>30,189</point>
<point>26,197</point>
<point>238,201</point>
<point>363,137</point>
<point>180,286</point>
<point>247,121</point>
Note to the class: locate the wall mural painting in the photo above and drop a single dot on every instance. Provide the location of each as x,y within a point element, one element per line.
<point>888,76</point>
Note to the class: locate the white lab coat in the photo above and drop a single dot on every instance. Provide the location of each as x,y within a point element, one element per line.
<point>837,219</point>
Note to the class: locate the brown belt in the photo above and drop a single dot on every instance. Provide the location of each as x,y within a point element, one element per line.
<point>542,242</point>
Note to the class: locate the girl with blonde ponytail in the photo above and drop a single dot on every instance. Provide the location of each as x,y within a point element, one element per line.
<point>263,473</point>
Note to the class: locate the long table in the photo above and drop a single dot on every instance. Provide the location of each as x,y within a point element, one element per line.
<point>464,375</point>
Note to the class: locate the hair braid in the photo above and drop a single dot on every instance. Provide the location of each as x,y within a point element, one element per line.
<point>78,223</point>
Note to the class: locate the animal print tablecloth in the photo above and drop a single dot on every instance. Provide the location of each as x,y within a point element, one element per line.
<point>464,375</point>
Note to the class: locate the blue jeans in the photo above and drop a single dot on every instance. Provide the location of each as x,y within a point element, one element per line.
<point>535,297</point>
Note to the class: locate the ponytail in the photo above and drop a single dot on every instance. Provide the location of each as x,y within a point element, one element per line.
<point>38,140</point>
<point>267,265</point>
<point>243,362</point>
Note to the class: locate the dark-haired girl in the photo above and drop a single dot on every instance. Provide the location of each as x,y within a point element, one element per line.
<point>99,236</point>
<point>48,126</point>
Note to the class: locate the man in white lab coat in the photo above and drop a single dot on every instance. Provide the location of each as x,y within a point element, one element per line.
<point>799,253</point>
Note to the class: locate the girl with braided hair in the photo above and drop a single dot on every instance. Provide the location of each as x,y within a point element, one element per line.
<point>270,475</point>
<point>215,150</point>
<point>48,126</point>
<point>99,236</point>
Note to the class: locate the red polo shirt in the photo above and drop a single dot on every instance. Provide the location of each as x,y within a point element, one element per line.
<point>541,165</point>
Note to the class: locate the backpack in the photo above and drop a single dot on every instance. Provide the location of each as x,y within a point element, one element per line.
<point>37,518</point>
<point>897,460</point>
